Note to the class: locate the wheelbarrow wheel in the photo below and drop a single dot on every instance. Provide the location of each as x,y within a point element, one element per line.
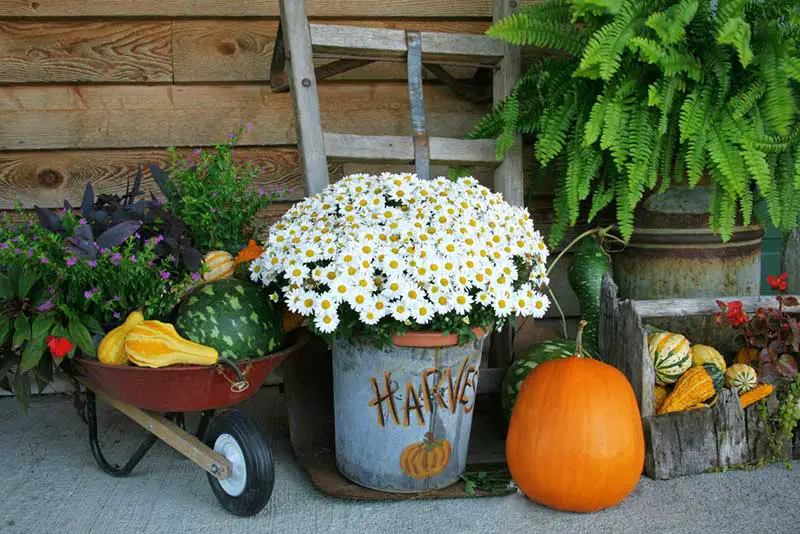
<point>234,435</point>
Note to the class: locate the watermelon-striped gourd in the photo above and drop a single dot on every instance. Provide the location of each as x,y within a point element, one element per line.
<point>670,355</point>
<point>525,363</point>
<point>234,316</point>
<point>217,265</point>
<point>704,354</point>
<point>741,378</point>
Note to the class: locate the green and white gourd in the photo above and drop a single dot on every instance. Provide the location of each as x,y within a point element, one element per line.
<point>233,316</point>
<point>670,355</point>
<point>589,263</point>
<point>741,378</point>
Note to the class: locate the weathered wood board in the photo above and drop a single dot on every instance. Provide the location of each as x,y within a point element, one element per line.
<point>686,442</point>
<point>241,50</point>
<point>52,52</point>
<point>244,8</point>
<point>46,178</point>
<point>44,117</point>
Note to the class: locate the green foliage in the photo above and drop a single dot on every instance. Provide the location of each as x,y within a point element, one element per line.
<point>216,197</point>
<point>647,93</point>
<point>780,425</point>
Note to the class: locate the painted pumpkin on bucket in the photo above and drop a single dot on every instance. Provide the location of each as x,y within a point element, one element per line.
<point>426,458</point>
<point>575,439</point>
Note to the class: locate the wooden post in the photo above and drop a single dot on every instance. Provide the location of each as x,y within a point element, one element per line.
<point>508,177</point>
<point>302,82</point>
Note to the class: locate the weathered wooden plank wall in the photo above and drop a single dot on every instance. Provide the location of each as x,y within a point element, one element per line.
<point>91,88</point>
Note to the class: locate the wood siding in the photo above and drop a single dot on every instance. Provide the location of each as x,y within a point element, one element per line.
<point>89,89</point>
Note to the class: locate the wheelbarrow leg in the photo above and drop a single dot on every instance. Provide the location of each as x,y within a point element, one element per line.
<point>94,443</point>
<point>202,426</point>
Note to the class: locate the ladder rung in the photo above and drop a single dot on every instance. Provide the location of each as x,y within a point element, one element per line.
<point>399,149</point>
<point>329,40</point>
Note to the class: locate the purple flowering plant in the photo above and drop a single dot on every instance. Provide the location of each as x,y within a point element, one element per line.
<point>215,195</point>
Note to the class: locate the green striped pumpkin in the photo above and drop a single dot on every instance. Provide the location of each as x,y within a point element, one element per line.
<point>671,356</point>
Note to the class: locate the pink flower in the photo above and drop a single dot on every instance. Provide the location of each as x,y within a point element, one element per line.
<point>90,293</point>
<point>44,260</point>
<point>165,275</point>
<point>195,276</point>
<point>116,315</point>
<point>83,221</point>
<point>92,263</point>
<point>71,261</point>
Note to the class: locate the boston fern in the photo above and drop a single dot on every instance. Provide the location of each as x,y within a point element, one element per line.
<point>643,93</point>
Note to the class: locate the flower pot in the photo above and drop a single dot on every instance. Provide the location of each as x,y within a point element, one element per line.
<point>674,254</point>
<point>403,413</point>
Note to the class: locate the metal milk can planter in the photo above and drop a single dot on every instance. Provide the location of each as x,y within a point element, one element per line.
<point>403,413</point>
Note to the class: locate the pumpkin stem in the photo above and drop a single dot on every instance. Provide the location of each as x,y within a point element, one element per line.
<point>579,339</point>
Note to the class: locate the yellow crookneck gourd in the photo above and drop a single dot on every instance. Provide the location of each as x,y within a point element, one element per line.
<point>695,386</point>
<point>157,344</point>
<point>756,394</point>
<point>112,347</point>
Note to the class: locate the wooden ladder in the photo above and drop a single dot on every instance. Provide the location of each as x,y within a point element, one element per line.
<point>351,47</point>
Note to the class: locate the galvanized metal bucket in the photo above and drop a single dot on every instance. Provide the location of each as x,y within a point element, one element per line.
<point>403,414</point>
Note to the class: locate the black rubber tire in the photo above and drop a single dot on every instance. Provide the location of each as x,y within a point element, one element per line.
<point>257,459</point>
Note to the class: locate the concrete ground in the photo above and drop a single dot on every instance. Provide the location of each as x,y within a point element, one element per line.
<point>50,484</point>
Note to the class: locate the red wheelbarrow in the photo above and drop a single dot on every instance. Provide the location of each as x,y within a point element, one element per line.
<point>226,443</point>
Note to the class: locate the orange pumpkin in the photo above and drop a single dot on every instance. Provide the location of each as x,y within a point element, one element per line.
<point>426,458</point>
<point>575,439</point>
<point>747,355</point>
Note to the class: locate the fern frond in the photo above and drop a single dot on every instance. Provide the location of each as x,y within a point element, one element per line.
<point>510,116</point>
<point>614,137</point>
<point>543,26</point>
<point>796,162</point>
<point>601,198</point>
<point>727,159</point>
<point>779,106</point>
<point>651,51</point>
<point>594,126</point>
<point>791,67</point>
<point>746,99</point>
<point>553,127</point>
<point>560,219</point>
<point>624,210</point>
<point>694,112</point>
<point>490,125</point>
<point>737,33</point>
<point>606,45</point>
<point>718,61</point>
<point>674,63</point>
<point>758,167</point>
<point>670,25</point>
<point>696,158</point>
<point>597,7</point>
<point>746,205</point>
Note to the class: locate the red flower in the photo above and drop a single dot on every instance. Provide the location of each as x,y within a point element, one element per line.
<point>778,283</point>
<point>736,315</point>
<point>59,346</point>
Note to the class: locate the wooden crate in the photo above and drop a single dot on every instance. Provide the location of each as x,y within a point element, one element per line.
<point>690,442</point>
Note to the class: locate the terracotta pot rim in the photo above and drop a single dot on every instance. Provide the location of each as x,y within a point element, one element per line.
<point>433,338</point>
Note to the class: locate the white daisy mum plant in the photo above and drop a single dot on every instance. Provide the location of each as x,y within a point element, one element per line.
<point>371,257</point>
